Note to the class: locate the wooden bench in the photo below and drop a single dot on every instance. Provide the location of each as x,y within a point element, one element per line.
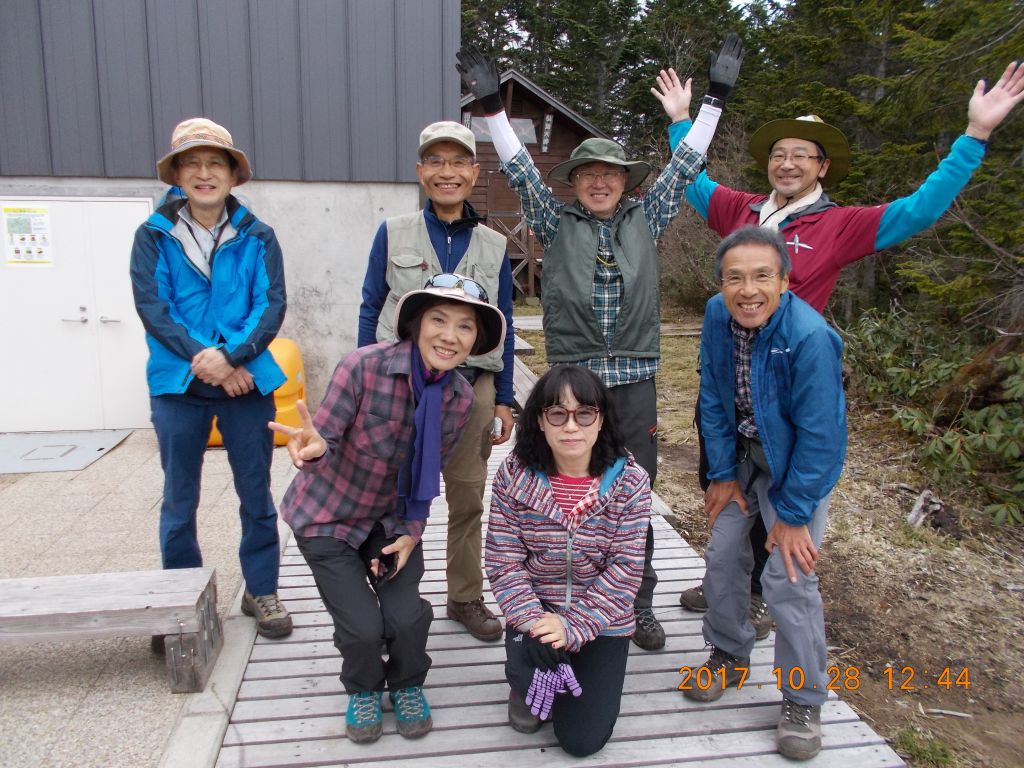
<point>523,347</point>
<point>523,380</point>
<point>180,604</point>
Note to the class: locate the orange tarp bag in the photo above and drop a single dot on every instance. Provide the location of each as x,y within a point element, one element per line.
<point>286,353</point>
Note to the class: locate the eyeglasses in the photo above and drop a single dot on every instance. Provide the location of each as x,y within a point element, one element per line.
<point>459,163</point>
<point>589,177</point>
<point>471,288</point>
<point>194,163</point>
<point>584,415</point>
<point>797,156</point>
<point>734,280</point>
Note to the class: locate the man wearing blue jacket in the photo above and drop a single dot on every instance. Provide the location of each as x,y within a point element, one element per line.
<point>773,418</point>
<point>209,286</point>
<point>448,236</point>
<point>802,156</point>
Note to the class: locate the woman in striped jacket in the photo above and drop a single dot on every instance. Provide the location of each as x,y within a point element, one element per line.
<point>565,555</point>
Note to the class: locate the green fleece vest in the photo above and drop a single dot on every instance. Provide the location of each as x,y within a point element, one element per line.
<point>412,261</point>
<point>571,330</point>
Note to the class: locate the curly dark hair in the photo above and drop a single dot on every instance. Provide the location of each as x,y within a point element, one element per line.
<point>532,447</point>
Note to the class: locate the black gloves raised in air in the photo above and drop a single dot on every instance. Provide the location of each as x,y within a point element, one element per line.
<point>480,74</point>
<point>724,69</point>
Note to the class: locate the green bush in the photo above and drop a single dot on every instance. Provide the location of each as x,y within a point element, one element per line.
<point>899,360</point>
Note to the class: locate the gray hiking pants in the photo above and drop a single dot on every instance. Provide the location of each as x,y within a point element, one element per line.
<point>796,608</point>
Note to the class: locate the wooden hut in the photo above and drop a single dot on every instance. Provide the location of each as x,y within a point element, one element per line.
<point>550,131</point>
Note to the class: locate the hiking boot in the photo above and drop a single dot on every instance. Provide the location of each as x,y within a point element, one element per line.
<point>519,715</point>
<point>411,711</point>
<point>718,661</point>
<point>759,616</point>
<point>476,618</point>
<point>364,722</point>
<point>693,599</point>
<point>649,633</point>
<point>272,619</point>
<point>799,733</point>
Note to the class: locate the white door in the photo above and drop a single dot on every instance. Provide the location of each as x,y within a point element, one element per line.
<point>73,347</point>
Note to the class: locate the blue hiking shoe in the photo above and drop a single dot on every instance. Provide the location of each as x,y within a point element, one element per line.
<point>412,712</point>
<point>363,720</point>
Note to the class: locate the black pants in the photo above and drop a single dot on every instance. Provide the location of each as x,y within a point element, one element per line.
<point>582,725</point>
<point>392,612</point>
<point>637,409</point>
<point>758,534</point>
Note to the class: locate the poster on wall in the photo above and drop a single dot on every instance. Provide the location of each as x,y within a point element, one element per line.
<point>28,236</point>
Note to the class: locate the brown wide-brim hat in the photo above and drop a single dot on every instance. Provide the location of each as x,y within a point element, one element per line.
<point>808,128</point>
<point>489,338</point>
<point>200,132</point>
<point>601,151</point>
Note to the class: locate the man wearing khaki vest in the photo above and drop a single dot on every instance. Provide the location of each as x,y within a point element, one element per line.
<point>448,236</point>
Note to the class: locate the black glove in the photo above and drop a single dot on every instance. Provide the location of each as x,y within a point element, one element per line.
<point>480,74</point>
<point>542,655</point>
<point>725,68</point>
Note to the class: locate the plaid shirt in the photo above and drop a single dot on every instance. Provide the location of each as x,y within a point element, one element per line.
<point>367,420</point>
<point>661,203</point>
<point>742,349</point>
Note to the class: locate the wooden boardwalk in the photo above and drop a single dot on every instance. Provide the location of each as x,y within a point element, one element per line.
<point>290,709</point>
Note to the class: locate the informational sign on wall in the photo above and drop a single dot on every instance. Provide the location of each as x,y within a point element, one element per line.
<point>28,236</point>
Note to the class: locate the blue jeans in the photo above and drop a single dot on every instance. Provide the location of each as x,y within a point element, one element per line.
<point>182,424</point>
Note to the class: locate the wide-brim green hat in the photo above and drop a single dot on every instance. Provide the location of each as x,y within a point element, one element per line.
<point>808,128</point>
<point>601,151</point>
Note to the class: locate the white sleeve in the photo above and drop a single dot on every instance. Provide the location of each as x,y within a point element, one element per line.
<point>506,143</point>
<point>703,128</point>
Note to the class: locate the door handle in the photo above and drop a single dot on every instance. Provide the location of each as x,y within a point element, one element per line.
<point>105,319</point>
<point>82,320</point>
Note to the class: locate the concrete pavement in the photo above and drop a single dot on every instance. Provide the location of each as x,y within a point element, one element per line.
<point>107,702</point>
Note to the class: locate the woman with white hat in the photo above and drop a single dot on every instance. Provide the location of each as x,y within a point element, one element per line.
<point>370,465</point>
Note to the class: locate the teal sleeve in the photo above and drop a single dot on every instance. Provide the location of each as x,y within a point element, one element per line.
<point>698,192</point>
<point>909,215</point>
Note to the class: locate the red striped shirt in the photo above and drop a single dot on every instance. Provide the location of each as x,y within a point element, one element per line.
<point>570,491</point>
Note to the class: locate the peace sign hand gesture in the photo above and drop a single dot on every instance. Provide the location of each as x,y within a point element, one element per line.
<point>304,443</point>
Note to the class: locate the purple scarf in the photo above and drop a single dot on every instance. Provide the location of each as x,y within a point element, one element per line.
<point>419,481</point>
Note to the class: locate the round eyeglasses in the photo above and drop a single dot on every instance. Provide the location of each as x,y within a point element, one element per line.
<point>583,415</point>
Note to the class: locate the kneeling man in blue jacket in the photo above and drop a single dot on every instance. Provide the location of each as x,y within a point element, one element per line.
<point>774,420</point>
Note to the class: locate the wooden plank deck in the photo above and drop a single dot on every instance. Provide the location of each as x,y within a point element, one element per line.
<point>290,709</point>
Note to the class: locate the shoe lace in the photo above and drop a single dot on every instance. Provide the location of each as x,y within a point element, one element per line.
<point>409,703</point>
<point>796,713</point>
<point>719,659</point>
<point>364,707</point>
<point>646,620</point>
<point>758,609</point>
<point>269,604</point>
<point>477,607</point>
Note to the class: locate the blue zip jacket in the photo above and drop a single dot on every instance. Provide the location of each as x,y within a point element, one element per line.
<point>238,308</point>
<point>450,242</point>
<point>797,383</point>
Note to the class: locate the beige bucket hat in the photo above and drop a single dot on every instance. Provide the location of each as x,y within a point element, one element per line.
<point>201,132</point>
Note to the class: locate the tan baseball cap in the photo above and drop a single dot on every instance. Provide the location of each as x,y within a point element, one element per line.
<point>447,130</point>
<point>201,132</point>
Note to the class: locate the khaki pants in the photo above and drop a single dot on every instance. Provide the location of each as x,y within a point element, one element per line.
<point>465,476</point>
